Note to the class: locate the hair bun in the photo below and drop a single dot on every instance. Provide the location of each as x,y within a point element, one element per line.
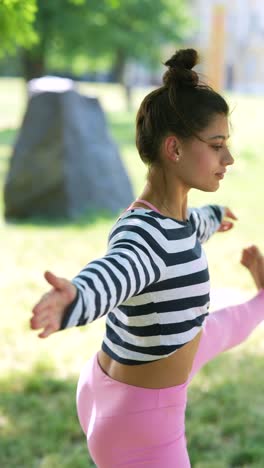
<point>180,71</point>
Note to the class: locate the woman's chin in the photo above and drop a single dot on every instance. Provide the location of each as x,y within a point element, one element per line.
<point>213,187</point>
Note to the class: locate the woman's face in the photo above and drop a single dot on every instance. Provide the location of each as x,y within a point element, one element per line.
<point>202,164</point>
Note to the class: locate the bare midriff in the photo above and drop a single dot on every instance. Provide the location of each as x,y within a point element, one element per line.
<point>166,372</point>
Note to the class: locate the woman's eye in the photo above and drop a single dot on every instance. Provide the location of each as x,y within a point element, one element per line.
<point>217,148</point>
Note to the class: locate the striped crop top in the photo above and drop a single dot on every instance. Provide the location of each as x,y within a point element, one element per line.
<point>153,284</point>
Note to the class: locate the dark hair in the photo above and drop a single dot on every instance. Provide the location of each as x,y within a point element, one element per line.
<point>183,106</point>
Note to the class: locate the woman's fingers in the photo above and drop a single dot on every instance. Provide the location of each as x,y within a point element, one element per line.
<point>49,311</point>
<point>67,289</point>
<point>48,301</point>
<point>229,213</point>
<point>38,321</point>
<point>225,226</point>
<point>248,253</point>
<point>49,323</point>
<point>41,305</point>
<point>48,330</point>
<point>53,280</point>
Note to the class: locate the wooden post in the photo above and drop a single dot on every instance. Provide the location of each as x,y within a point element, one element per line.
<point>216,48</point>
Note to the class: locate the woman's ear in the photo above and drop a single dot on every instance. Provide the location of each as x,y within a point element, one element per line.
<point>172,148</point>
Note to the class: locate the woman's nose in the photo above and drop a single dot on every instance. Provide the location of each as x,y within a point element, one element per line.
<point>229,158</point>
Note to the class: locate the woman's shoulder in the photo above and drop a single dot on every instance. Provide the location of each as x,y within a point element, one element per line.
<point>139,223</point>
<point>149,225</point>
<point>140,217</point>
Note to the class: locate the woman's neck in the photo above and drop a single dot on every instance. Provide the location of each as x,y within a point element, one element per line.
<point>170,200</point>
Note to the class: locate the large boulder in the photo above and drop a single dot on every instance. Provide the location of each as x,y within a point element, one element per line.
<point>64,161</point>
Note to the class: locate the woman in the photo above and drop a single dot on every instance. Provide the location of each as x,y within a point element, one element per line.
<point>153,284</point>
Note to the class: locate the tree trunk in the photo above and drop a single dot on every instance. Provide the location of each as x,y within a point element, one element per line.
<point>119,66</point>
<point>33,64</point>
<point>120,76</point>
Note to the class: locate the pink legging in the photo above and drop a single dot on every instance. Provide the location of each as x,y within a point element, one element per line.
<point>133,427</point>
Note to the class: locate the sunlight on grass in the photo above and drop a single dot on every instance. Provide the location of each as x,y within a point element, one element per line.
<point>38,377</point>
<point>13,100</point>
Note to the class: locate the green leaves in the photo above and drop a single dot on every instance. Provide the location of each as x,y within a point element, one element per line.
<point>104,30</point>
<point>16,24</point>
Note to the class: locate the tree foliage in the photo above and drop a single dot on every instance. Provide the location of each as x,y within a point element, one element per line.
<point>116,30</point>
<point>139,27</point>
<point>119,29</point>
<point>16,24</point>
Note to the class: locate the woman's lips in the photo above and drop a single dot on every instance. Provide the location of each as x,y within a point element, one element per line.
<point>220,175</point>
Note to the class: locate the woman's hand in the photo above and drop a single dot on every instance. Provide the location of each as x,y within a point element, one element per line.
<point>226,224</point>
<point>49,311</point>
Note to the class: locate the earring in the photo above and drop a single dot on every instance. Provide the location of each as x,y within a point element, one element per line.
<point>177,158</point>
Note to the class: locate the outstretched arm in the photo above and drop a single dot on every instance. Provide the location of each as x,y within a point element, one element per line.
<point>131,263</point>
<point>212,218</point>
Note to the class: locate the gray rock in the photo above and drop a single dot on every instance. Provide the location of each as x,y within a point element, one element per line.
<point>64,161</point>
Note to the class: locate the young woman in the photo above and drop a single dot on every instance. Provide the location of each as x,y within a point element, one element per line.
<point>153,284</point>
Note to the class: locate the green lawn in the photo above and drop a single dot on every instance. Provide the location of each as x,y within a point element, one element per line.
<point>38,423</point>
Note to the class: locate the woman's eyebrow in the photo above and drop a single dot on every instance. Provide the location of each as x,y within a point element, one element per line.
<point>219,136</point>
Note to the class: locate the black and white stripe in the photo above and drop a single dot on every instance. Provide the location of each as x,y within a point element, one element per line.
<point>153,284</point>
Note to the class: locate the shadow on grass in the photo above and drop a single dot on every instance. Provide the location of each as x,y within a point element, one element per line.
<point>225,416</point>
<point>88,218</point>
<point>38,423</point>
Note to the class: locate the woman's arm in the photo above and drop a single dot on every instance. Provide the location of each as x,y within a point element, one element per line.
<point>131,263</point>
<point>210,219</point>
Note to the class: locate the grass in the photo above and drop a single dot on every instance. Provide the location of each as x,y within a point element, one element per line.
<point>38,422</point>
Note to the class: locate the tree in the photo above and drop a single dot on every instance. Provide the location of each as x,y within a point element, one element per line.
<point>16,25</point>
<point>114,29</point>
<point>137,29</point>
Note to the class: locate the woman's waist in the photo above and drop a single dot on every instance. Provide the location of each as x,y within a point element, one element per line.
<point>161,373</point>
